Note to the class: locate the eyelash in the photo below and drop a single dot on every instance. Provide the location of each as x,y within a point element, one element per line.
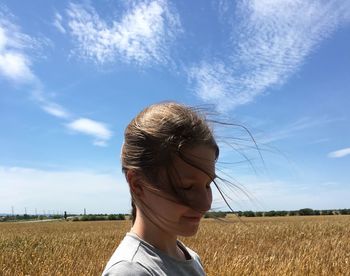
<point>190,187</point>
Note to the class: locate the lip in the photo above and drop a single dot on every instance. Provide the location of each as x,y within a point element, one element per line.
<point>194,219</point>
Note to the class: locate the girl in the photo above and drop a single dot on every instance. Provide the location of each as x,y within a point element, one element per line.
<point>168,158</point>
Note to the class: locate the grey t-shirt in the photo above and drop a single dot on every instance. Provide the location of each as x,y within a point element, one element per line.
<point>135,257</point>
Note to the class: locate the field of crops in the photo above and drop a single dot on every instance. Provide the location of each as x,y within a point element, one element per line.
<point>256,246</point>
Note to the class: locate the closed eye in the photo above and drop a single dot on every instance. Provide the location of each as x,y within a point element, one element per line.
<point>187,188</point>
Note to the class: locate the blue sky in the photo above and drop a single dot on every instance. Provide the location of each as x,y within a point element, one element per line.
<point>73,74</point>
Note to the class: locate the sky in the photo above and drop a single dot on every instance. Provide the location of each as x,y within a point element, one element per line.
<point>73,75</point>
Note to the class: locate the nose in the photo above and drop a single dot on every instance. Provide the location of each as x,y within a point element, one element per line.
<point>201,200</point>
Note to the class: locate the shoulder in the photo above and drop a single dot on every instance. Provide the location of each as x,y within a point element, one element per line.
<point>127,268</point>
<point>124,255</point>
<point>130,258</point>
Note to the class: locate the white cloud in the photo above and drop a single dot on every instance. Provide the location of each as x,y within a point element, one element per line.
<point>319,141</point>
<point>142,36</point>
<point>286,195</point>
<point>55,110</point>
<point>2,39</point>
<point>269,43</point>
<point>16,67</point>
<point>15,59</point>
<point>14,62</point>
<point>100,143</point>
<point>215,83</point>
<point>293,128</point>
<point>70,191</point>
<point>93,128</point>
<point>339,153</point>
<point>208,77</point>
<point>58,23</point>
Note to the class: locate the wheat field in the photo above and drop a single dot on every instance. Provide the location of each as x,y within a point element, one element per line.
<point>253,246</point>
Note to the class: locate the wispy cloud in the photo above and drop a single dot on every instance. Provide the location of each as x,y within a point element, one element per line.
<point>143,35</point>
<point>57,22</point>
<point>98,130</point>
<point>15,66</point>
<point>14,62</point>
<point>15,58</point>
<point>207,79</point>
<point>64,190</point>
<point>270,41</point>
<point>339,153</point>
<point>319,141</point>
<point>272,194</point>
<point>293,128</point>
<point>55,110</point>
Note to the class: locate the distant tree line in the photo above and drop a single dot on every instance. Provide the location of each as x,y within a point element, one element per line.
<point>72,217</point>
<point>211,214</point>
<point>301,212</point>
<point>29,217</point>
<point>99,217</point>
<point>218,214</point>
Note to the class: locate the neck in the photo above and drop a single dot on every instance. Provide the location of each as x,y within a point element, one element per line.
<point>156,236</point>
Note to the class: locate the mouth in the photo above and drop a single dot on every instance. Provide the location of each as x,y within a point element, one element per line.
<point>193,219</point>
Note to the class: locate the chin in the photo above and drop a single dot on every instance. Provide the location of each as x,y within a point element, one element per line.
<point>189,231</point>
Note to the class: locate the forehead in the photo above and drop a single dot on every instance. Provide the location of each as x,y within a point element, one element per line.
<point>202,157</point>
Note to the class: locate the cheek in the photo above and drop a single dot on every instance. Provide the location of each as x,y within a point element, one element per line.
<point>209,200</point>
<point>210,196</point>
<point>164,207</point>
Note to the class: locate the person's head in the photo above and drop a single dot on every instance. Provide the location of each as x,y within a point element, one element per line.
<point>168,158</point>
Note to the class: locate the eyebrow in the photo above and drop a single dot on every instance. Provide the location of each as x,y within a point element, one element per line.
<point>210,175</point>
<point>193,179</point>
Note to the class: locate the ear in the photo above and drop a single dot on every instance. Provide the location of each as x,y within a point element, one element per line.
<point>135,181</point>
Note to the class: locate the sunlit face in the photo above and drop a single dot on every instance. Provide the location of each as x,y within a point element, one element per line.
<point>180,219</point>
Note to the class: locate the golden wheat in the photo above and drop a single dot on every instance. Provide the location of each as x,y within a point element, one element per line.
<point>253,246</point>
